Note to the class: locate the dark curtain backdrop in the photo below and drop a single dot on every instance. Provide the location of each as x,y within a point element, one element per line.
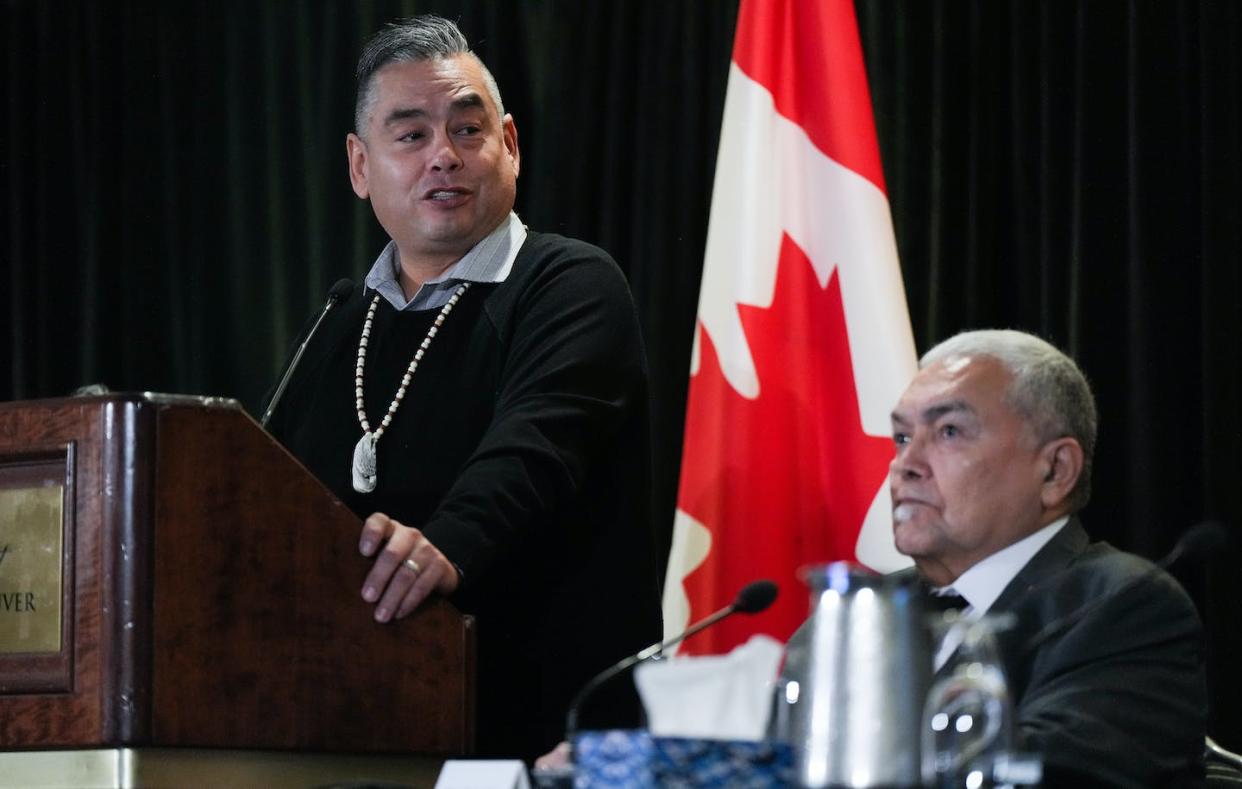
<point>175,202</point>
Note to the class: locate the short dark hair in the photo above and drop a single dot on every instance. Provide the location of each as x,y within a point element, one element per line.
<point>425,37</point>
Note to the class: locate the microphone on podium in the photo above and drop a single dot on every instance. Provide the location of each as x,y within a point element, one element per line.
<point>753,598</point>
<point>338,292</point>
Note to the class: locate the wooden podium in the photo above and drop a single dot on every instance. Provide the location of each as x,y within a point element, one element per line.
<point>209,595</point>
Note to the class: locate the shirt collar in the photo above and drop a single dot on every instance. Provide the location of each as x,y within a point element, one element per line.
<point>490,260</point>
<point>984,581</point>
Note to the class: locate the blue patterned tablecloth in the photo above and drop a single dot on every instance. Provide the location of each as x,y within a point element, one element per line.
<point>636,760</point>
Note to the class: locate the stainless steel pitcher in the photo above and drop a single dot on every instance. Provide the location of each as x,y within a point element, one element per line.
<point>850,696</point>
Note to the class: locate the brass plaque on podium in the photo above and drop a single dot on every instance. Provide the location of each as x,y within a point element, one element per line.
<point>31,550</point>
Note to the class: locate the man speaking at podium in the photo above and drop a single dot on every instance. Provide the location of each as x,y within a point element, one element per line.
<point>483,402</point>
<point>995,438</point>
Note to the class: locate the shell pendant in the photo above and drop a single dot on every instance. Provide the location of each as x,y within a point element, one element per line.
<point>364,463</point>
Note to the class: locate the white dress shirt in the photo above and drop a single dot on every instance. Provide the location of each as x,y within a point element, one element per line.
<point>984,581</point>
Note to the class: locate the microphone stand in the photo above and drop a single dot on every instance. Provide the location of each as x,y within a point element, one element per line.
<point>339,291</point>
<point>571,718</point>
<point>751,599</point>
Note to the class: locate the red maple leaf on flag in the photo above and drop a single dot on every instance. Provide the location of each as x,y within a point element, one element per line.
<point>784,480</point>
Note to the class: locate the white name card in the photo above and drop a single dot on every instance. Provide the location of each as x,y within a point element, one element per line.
<point>483,774</point>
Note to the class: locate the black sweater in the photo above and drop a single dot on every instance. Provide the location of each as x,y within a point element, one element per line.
<point>522,450</point>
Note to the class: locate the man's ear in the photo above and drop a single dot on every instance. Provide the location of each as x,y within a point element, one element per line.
<point>356,151</point>
<point>1062,461</point>
<point>508,130</point>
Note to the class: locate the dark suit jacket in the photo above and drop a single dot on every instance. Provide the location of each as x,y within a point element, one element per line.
<point>1118,698</point>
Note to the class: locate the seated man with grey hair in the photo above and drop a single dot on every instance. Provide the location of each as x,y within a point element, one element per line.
<point>995,438</point>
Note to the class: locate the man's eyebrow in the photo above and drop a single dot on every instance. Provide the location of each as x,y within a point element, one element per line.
<point>934,412</point>
<point>404,113</point>
<point>466,102</point>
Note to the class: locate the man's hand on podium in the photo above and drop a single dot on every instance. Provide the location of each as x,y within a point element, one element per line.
<point>406,571</point>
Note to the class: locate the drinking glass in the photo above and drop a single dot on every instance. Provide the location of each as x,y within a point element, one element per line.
<point>968,718</point>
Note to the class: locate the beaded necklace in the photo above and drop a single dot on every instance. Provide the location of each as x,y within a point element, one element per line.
<point>364,471</point>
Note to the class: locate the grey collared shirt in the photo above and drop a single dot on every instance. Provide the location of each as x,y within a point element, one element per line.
<point>490,260</point>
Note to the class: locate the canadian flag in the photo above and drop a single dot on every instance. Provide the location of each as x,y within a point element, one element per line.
<point>803,341</point>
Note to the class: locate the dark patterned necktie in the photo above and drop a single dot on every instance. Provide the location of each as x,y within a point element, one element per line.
<point>946,602</point>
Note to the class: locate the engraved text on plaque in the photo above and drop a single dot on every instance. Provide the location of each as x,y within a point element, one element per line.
<point>31,543</point>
